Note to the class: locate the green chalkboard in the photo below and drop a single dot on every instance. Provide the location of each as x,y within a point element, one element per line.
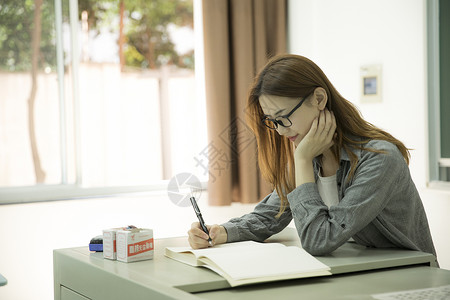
<point>444,74</point>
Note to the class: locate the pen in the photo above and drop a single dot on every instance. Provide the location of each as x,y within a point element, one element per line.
<point>200,218</point>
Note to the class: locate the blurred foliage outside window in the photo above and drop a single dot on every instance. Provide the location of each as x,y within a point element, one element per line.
<point>140,35</point>
<point>146,29</point>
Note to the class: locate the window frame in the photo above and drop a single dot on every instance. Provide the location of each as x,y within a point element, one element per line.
<point>433,84</point>
<point>65,190</point>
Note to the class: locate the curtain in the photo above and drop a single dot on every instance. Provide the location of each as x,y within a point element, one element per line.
<point>239,37</point>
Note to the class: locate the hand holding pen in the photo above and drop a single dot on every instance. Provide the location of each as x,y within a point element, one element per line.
<point>201,235</point>
<point>200,218</point>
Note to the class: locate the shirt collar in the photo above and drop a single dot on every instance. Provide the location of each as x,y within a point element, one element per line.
<point>344,154</point>
<point>354,150</point>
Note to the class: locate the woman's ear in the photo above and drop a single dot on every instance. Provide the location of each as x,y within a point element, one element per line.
<point>321,97</point>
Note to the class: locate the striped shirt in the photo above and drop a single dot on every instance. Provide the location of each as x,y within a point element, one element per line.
<point>379,207</point>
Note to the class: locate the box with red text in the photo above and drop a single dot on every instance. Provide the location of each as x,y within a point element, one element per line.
<point>134,244</point>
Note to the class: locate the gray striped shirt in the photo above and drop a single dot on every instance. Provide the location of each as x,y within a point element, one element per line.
<point>379,207</point>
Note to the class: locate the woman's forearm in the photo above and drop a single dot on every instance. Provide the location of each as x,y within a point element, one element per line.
<point>304,171</point>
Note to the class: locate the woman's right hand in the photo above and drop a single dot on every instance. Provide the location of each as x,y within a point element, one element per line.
<point>199,239</point>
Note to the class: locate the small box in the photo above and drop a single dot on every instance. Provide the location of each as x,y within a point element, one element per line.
<point>109,243</point>
<point>134,244</point>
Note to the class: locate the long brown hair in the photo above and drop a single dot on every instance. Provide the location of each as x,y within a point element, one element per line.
<point>296,76</point>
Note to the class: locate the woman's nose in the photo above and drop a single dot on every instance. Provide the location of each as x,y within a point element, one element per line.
<point>282,130</point>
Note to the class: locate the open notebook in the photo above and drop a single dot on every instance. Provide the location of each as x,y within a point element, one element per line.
<point>252,262</point>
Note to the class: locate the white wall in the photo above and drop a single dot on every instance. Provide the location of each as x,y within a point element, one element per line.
<point>341,36</point>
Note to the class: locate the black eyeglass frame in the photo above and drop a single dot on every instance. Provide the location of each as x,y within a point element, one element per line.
<point>277,122</point>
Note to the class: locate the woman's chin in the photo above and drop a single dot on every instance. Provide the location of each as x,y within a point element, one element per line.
<point>297,141</point>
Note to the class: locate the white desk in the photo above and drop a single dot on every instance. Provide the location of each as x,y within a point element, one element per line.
<point>357,271</point>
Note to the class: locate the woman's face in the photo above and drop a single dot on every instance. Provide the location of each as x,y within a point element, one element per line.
<point>275,107</point>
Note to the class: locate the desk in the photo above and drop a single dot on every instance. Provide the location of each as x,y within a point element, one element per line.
<point>80,274</point>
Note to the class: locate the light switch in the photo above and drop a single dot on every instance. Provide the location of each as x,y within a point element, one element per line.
<point>370,83</point>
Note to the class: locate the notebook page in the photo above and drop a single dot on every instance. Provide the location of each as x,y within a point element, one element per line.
<point>217,248</point>
<point>189,256</point>
<point>267,261</point>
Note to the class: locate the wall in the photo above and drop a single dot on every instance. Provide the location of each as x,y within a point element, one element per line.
<point>341,36</point>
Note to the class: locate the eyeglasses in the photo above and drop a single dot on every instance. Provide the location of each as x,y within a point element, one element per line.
<point>281,120</point>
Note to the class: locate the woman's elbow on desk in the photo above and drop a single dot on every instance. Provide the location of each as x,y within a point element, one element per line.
<point>319,249</point>
<point>316,245</point>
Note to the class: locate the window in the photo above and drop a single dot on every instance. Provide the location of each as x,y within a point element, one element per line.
<point>439,90</point>
<point>100,98</point>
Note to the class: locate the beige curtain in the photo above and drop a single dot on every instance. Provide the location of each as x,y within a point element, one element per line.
<point>239,37</point>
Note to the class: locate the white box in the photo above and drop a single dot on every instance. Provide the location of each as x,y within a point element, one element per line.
<point>109,243</point>
<point>134,244</point>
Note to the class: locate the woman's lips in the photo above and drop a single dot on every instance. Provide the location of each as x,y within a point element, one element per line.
<point>292,138</point>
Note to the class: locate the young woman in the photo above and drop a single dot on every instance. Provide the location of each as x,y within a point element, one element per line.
<point>335,174</point>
